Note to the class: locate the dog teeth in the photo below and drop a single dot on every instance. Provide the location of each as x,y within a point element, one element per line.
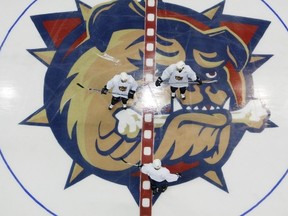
<point>176,105</point>
<point>227,104</point>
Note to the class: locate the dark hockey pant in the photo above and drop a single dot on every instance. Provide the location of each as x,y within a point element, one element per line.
<point>182,89</point>
<point>115,100</point>
<point>158,187</point>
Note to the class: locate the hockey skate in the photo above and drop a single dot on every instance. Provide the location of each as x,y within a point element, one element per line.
<point>110,107</point>
<point>163,189</point>
<point>183,97</point>
<point>173,95</point>
<point>159,190</point>
<point>155,191</point>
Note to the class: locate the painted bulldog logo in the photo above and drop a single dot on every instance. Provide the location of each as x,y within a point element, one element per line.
<point>123,88</point>
<point>196,136</point>
<point>178,78</point>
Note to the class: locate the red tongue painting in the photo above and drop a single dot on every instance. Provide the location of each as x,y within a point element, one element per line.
<point>182,167</point>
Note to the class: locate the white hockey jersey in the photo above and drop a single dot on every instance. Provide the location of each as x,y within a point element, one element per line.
<point>159,175</point>
<point>178,79</point>
<point>121,89</point>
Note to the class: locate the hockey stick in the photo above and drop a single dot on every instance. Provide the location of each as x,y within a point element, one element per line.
<point>189,82</point>
<point>193,82</point>
<point>90,89</point>
<point>122,159</point>
<point>98,90</point>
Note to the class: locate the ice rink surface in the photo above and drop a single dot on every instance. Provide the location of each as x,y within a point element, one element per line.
<point>34,168</point>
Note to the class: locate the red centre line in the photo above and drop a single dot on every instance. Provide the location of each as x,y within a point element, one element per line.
<point>147,147</point>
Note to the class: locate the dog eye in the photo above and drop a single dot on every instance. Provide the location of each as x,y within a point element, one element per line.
<point>211,75</point>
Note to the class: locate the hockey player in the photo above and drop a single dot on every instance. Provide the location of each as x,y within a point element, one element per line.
<point>159,176</point>
<point>178,75</point>
<point>123,87</point>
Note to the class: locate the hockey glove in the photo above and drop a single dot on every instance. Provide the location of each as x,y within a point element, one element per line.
<point>131,94</point>
<point>158,81</point>
<point>139,165</point>
<point>104,90</point>
<point>199,81</point>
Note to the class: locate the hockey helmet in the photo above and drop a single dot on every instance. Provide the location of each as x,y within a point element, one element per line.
<point>123,76</point>
<point>157,164</point>
<point>180,65</point>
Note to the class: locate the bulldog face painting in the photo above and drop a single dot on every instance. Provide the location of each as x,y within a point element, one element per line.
<point>195,136</point>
